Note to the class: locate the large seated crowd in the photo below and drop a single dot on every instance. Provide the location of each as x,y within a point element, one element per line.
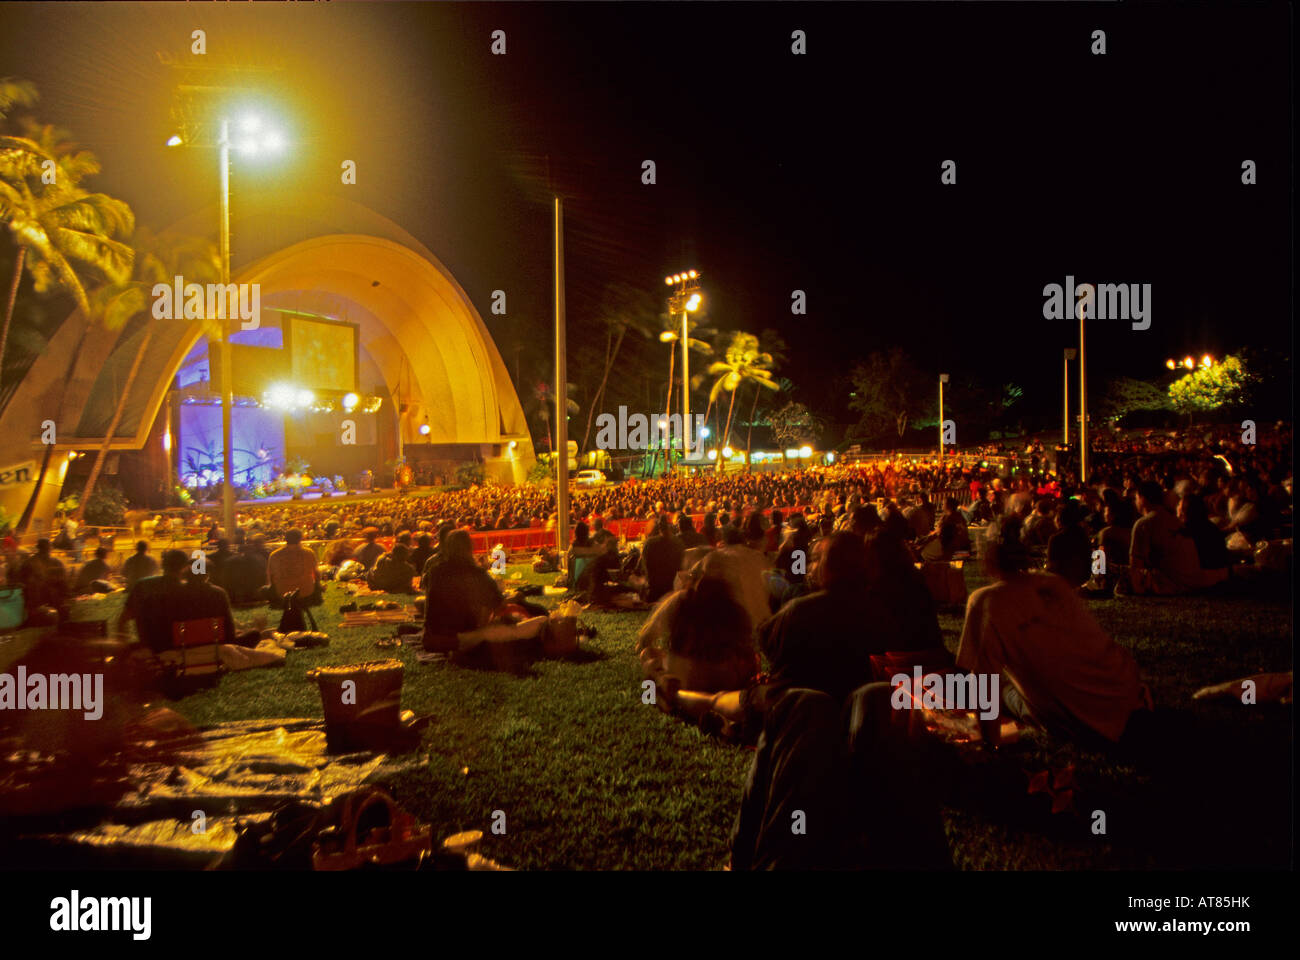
<point>774,598</point>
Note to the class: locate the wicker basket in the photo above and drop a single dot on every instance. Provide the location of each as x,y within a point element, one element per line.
<point>377,694</point>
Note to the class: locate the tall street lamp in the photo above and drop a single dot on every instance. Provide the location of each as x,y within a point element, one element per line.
<point>1083,381</point>
<point>254,139</point>
<point>1070,354</point>
<point>943,378</point>
<point>686,299</point>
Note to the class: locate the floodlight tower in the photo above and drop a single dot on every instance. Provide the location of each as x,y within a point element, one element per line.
<point>198,110</point>
<point>685,299</point>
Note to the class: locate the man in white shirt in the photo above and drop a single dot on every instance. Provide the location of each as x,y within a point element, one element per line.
<point>1059,669</point>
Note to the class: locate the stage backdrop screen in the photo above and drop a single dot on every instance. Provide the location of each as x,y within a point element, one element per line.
<point>253,370</point>
<point>323,353</point>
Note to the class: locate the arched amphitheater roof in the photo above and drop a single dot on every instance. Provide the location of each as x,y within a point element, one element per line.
<point>416,323</point>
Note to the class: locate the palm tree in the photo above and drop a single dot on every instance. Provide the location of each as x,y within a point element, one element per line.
<point>56,224</point>
<point>16,93</point>
<point>744,363</point>
<point>156,261</point>
<point>57,227</point>
<point>774,345</point>
<point>625,308</point>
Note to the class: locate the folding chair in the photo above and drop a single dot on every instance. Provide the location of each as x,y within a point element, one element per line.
<point>194,654</point>
<point>579,565</point>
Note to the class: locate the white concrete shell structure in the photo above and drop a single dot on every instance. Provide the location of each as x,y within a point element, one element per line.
<point>418,329</point>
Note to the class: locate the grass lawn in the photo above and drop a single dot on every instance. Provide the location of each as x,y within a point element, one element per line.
<point>589,777</point>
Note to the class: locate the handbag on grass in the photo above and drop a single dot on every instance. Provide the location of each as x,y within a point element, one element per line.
<point>295,618</point>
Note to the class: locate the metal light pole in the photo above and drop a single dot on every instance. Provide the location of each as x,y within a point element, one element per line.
<point>192,133</point>
<point>943,378</point>
<point>1065,423</point>
<point>686,391</point>
<point>686,298</point>
<point>227,399</point>
<point>562,397</point>
<point>1083,391</point>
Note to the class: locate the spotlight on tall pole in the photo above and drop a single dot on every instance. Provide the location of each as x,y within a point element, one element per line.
<point>1070,354</point>
<point>684,300</point>
<point>943,378</point>
<point>227,391</point>
<point>1083,381</point>
<point>561,397</point>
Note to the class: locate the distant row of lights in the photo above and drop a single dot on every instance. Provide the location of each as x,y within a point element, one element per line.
<point>290,398</point>
<point>283,396</point>
<point>1207,361</point>
<point>794,453</point>
<point>680,277</point>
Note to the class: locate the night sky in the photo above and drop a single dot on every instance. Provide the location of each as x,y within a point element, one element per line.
<point>775,172</point>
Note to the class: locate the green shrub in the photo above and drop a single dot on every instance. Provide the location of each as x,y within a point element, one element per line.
<point>540,473</point>
<point>105,508</point>
<point>469,474</point>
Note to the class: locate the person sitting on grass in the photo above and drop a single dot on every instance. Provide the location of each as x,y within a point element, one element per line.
<point>293,567</point>
<point>951,537</point>
<point>370,551</point>
<point>601,576</point>
<point>1211,546</point>
<point>660,560</point>
<point>793,556</point>
<point>139,565</point>
<point>156,603</point>
<point>687,533</point>
<point>600,536</point>
<point>1040,527</point>
<point>981,509</point>
<point>698,639</point>
<point>45,580</point>
<point>392,573</point>
<point>1163,560</point>
<point>217,563</point>
<point>1059,670</point>
<point>444,530</point>
<point>1114,539</point>
<point>864,520</point>
<point>581,553</point>
<point>903,612</point>
<point>1069,552</point>
<point>745,569</point>
<point>774,535</point>
<point>422,552</point>
<point>245,574</point>
<point>463,606</point>
<point>93,571</point>
<point>824,640</point>
<point>858,769</point>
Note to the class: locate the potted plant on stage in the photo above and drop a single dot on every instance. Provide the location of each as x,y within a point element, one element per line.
<point>296,477</point>
<point>326,486</point>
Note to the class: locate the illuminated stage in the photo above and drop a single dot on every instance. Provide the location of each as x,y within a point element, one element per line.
<point>420,348</point>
